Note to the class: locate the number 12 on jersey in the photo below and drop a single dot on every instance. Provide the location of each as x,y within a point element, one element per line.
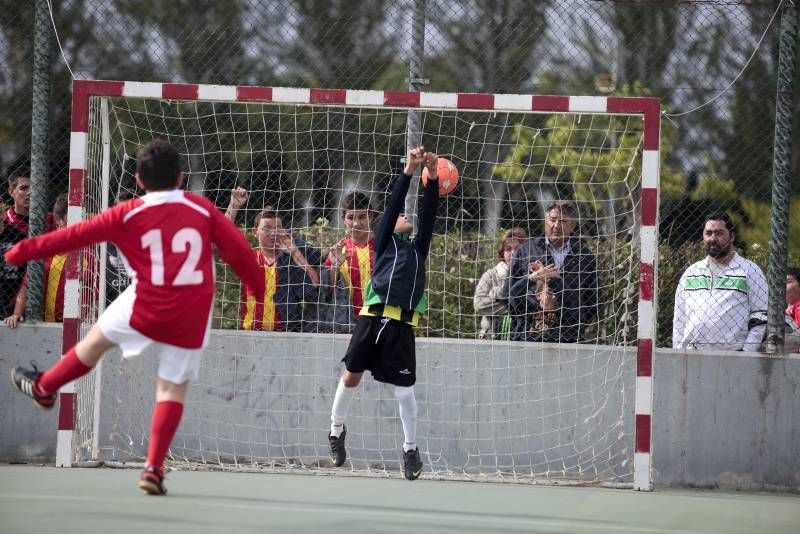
<point>188,275</point>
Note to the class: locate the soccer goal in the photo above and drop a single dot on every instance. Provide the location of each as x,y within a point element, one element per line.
<point>499,408</point>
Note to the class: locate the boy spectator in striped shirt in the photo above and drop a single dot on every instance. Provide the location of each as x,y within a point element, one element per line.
<point>348,267</point>
<point>54,279</point>
<point>290,279</point>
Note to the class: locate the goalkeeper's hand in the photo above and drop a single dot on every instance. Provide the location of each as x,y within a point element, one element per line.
<point>415,157</point>
<point>432,163</point>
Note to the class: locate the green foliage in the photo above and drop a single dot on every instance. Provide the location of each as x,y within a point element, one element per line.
<point>455,264</point>
<point>753,224</point>
<point>501,47</point>
<point>592,159</point>
<point>722,192</point>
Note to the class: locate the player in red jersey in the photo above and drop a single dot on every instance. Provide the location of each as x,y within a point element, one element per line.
<point>166,237</point>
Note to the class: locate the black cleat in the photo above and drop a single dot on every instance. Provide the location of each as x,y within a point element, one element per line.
<point>25,380</point>
<point>152,481</point>
<point>338,452</point>
<point>412,464</point>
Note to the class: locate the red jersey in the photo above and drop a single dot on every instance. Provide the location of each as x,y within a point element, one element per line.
<point>793,311</point>
<point>20,222</point>
<point>167,238</point>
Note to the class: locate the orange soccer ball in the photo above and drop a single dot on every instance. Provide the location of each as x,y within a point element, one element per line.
<point>447,173</point>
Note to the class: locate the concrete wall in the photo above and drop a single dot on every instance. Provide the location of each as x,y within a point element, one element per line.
<point>727,420</point>
<point>721,420</point>
<point>482,408</point>
<point>26,434</point>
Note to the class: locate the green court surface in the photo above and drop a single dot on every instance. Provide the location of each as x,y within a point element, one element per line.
<point>51,500</point>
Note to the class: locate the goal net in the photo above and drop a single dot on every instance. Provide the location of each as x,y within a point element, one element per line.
<point>510,405</point>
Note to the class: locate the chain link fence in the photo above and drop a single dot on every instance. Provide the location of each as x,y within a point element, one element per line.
<point>712,63</point>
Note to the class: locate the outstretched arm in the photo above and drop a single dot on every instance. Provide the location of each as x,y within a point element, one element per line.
<point>430,204</point>
<point>239,197</point>
<point>235,251</point>
<point>394,207</point>
<point>74,237</point>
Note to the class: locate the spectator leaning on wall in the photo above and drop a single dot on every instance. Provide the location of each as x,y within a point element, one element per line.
<point>721,300</point>
<point>552,287</point>
<point>496,321</point>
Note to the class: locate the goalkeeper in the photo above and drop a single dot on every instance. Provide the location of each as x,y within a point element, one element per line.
<point>383,339</point>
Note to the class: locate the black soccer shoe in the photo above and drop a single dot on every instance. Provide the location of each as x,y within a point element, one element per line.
<point>24,380</point>
<point>412,464</point>
<point>338,452</point>
<point>152,481</point>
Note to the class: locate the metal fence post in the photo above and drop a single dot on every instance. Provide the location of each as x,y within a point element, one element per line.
<point>781,179</point>
<point>415,83</point>
<point>40,125</point>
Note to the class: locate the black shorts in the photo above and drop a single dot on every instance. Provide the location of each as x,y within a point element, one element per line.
<point>385,348</point>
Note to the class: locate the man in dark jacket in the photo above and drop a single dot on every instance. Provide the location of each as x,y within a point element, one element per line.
<point>383,339</point>
<point>552,284</point>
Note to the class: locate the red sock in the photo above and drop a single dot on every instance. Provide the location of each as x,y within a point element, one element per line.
<point>68,368</point>
<point>166,418</point>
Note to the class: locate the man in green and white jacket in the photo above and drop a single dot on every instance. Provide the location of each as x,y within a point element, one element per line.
<point>719,299</point>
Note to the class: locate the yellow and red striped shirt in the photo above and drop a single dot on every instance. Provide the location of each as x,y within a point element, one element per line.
<point>356,270</point>
<point>54,281</point>
<point>263,315</point>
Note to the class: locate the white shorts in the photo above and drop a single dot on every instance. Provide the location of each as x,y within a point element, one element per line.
<point>176,364</point>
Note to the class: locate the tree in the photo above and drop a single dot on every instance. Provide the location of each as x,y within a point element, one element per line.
<point>486,47</point>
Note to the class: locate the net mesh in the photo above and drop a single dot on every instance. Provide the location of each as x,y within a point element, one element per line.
<point>548,412</point>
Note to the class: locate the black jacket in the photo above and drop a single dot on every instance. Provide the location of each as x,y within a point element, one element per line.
<point>11,276</point>
<point>398,276</point>
<point>576,293</point>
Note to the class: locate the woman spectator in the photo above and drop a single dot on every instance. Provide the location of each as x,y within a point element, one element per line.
<point>496,322</point>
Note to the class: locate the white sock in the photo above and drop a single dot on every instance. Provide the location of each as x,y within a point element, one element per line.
<point>408,415</point>
<point>341,403</point>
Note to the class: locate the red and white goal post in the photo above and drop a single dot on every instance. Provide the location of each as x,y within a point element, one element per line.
<point>539,412</point>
